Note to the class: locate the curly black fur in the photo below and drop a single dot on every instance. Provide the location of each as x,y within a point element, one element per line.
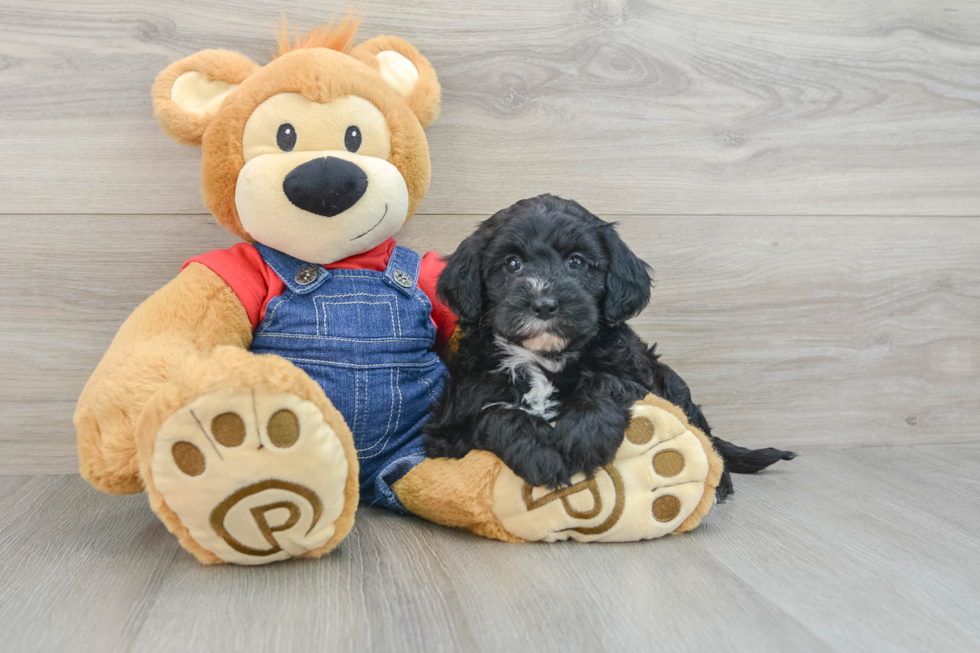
<point>548,369</point>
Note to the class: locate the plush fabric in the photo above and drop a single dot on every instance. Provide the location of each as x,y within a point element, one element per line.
<point>230,368</point>
<point>191,315</point>
<point>424,96</point>
<point>243,455</point>
<point>332,36</point>
<point>182,122</point>
<point>295,72</point>
<point>650,490</point>
<point>456,493</point>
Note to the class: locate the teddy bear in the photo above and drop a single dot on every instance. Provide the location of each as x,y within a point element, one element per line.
<point>271,387</point>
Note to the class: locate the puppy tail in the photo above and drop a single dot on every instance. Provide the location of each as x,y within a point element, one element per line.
<point>740,460</point>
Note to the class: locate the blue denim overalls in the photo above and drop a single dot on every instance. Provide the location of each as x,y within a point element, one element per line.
<point>368,339</point>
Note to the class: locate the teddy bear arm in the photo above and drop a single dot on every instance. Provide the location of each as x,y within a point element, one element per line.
<point>194,313</point>
<point>456,493</point>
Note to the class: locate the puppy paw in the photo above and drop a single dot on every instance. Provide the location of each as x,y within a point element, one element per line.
<point>254,477</point>
<point>543,467</point>
<point>657,480</point>
<point>586,445</point>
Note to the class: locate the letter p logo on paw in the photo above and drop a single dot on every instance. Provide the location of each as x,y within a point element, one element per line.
<point>243,519</point>
<point>254,477</point>
<point>655,482</point>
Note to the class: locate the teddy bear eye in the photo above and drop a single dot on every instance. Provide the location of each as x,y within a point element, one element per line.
<point>286,137</point>
<point>352,139</point>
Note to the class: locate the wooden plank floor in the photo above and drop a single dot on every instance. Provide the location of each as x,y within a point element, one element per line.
<point>803,177</point>
<point>862,549</point>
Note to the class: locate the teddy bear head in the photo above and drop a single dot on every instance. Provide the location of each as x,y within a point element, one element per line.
<point>321,153</point>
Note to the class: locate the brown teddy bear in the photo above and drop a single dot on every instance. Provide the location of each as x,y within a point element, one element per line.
<point>270,386</point>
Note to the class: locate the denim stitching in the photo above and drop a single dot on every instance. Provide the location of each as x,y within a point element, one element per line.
<point>423,299</point>
<point>357,294</point>
<point>402,256</point>
<point>318,307</point>
<point>434,361</point>
<point>339,339</point>
<point>389,296</point>
<point>391,312</point>
<point>357,405</point>
<point>396,372</point>
<point>378,447</point>
<point>269,318</point>
<point>428,387</point>
<point>286,266</point>
<point>391,387</point>
<point>367,403</point>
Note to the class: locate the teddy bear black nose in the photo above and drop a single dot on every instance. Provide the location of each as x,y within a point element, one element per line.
<point>327,186</point>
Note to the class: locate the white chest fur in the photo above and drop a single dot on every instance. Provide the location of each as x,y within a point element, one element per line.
<point>539,400</point>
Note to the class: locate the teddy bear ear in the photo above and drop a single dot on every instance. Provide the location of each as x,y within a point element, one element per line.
<point>189,92</point>
<point>406,71</point>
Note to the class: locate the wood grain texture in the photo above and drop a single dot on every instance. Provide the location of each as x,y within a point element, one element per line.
<point>791,331</point>
<point>749,148</point>
<point>850,550</point>
<point>633,107</point>
<point>77,571</point>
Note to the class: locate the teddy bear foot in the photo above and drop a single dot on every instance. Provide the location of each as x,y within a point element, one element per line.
<point>250,475</point>
<point>662,481</point>
<point>255,477</point>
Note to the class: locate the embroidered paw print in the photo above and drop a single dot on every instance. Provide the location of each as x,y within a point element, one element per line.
<point>653,485</point>
<point>255,477</point>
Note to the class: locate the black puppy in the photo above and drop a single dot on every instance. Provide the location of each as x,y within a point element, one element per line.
<point>547,370</point>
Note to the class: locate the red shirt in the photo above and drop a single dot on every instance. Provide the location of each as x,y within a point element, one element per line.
<point>241,266</point>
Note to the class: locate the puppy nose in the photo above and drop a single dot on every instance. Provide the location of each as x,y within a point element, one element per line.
<point>326,186</point>
<point>544,307</point>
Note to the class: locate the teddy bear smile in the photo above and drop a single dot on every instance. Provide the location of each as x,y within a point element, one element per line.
<point>375,224</point>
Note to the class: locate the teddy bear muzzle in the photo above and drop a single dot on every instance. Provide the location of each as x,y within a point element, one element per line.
<point>283,199</point>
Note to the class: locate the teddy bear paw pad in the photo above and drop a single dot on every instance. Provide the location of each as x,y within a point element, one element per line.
<point>655,482</point>
<point>255,477</point>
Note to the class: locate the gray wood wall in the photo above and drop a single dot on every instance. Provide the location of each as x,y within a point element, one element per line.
<point>803,176</point>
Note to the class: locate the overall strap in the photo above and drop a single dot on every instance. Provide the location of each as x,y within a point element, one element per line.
<point>299,276</point>
<point>403,268</point>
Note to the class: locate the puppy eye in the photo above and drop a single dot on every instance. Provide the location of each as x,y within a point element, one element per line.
<point>352,139</point>
<point>513,264</point>
<point>286,137</point>
<point>576,261</point>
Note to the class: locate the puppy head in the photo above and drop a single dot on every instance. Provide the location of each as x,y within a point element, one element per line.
<point>546,274</point>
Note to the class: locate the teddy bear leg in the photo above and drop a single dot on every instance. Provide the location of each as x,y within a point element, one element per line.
<point>246,460</point>
<point>662,481</point>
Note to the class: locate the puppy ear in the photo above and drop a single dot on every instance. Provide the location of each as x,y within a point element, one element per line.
<point>460,286</point>
<point>188,93</point>
<point>627,281</point>
<point>406,71</point>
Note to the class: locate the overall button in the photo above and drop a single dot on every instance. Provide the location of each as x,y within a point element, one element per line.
<point>402,279</point>
<point>307,275</point>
